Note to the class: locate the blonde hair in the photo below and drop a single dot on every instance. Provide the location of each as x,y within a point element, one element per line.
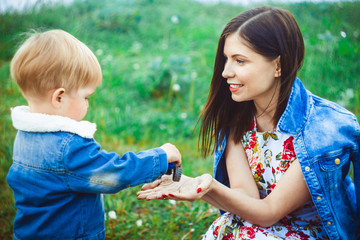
<point>54,59</point>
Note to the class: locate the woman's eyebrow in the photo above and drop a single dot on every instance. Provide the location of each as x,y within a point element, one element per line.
<point>236,55</point>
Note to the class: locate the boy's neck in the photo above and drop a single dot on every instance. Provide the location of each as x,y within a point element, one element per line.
<point>41,105</point>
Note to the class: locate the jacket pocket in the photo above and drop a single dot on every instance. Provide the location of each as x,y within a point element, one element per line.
<point>335,167</point>
<point>335,160</point>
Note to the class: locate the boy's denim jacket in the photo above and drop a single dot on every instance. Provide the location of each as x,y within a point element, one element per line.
<point>59,173</point>
<point>326,141</point>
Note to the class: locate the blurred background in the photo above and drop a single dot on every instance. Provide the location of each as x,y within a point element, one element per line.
<point>157,58</point>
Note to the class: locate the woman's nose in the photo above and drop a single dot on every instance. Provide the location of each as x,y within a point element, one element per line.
<point>227,72</point>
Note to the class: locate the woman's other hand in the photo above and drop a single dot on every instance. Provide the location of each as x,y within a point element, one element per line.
<point>187,189</point>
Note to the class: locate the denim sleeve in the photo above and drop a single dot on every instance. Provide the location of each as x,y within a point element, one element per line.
<point>92,170</point>
<point>356,177</point>
<point>356,165</point>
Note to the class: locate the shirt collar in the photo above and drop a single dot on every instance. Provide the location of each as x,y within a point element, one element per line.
<point>297,110</point>
<point>25,120</point>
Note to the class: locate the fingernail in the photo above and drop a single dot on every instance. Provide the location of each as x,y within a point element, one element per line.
<point>198,190</point>
<point>164,196</point>
<point>171,195</point>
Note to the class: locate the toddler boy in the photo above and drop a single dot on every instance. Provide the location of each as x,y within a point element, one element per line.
<point>59,171</point>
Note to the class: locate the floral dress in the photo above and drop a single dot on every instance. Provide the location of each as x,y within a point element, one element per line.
<point>269,154</point>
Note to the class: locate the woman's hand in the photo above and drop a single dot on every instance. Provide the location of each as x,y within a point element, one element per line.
<point>187,189</point>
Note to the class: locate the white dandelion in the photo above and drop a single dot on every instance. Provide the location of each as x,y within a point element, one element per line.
<point>343,34</point>
<point>175,19</point>
<point>112,214</point>
<point>183,115</point>
<point>139,222</point>
<point>176,87</point>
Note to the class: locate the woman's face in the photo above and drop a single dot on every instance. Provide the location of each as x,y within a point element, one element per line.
<point>250,76</point>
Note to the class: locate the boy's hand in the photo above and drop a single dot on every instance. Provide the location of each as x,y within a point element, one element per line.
<point>172,153</point>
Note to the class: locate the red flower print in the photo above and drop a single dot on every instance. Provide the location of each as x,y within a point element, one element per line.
<point>249,232</point>
<point>297,235</point>
<point>287,155</point>
<point>252,125</point>
<point>285,164</point>
<point>303,235</point>
<point>259,170</point>
<point>270,188</point>
<point>288,151</point>
<point>252,141</point>
<point>216,231</point>
<point>228,236</point>
<point>286,222</point>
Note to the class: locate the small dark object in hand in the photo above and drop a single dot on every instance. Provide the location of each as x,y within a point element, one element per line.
<point>176,173</point>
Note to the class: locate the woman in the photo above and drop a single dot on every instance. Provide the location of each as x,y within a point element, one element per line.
<point>282,154</point>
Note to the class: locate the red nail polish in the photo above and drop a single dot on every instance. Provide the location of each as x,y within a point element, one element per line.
<point>164,196</point>
<point>171,195</point>
<point>198,190</point>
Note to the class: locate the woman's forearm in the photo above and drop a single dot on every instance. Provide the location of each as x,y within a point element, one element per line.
<point>209,199</point>
<point>252,209</point>
<point>289,194</point>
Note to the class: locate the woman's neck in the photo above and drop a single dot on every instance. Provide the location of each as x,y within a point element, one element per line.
<point>264,118</point>
<point>264,123</point>
<point>265,112</point>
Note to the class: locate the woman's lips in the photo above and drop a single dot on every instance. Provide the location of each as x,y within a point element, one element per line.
<point>235,87</point>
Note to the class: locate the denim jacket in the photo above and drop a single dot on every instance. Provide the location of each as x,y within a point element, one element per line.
<point>59,173</point>
<point>326,142</point>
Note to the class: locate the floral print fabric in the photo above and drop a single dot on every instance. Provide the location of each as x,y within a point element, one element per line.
<point>269,154</point>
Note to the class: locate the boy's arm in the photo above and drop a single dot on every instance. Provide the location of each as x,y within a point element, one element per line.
<point>90,169</point>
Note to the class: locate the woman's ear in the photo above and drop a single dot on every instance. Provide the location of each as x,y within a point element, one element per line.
<point>57,97</point>
<point>278,67</point>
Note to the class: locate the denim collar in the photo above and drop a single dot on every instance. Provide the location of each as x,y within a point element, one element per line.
<point>27,121</point>
<point>297,110</point>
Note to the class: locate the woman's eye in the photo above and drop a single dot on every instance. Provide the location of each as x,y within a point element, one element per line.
<point>240,61</point>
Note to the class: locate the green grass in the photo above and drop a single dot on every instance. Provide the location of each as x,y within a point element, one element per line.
<point>143,54</point>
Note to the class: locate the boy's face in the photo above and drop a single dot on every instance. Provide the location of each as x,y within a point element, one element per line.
<point>76,103</point>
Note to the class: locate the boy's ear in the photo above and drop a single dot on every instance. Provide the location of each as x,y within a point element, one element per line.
<point>57,97</point>
<point>278,67</point>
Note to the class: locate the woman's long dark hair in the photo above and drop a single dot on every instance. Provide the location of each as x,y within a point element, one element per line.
<point>271,32</point>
